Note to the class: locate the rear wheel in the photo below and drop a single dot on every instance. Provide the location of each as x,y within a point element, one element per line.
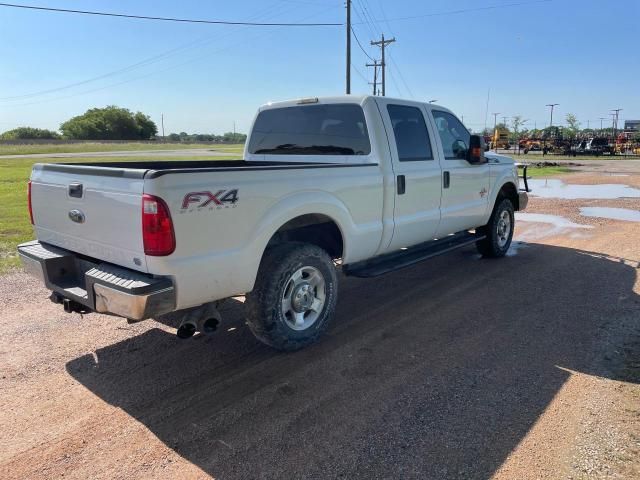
<point>294,297</point>
<point>499,230</point>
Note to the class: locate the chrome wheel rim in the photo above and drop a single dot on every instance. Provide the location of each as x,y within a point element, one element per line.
<point>503,229</point>
<point>303,298</point>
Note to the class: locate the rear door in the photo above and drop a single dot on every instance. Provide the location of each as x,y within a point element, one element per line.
<point>94,211</point>
<point>465,189</point>
<point>417,172</point>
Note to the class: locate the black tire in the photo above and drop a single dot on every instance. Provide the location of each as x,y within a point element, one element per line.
<point>494,245</point>
<point>264,303</point>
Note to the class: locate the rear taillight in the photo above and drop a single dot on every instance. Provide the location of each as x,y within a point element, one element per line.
<point>157,227</point>
<point>29,202</point>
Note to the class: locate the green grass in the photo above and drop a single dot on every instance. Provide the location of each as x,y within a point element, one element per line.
<point>546,171</point>
<point>113,147</point>
<point>531,158</point>
<point>15,227</point>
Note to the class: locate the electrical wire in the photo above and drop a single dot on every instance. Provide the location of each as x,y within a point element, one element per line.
<point>266,12</point>
<point>360,45</point>
<point>460,11</point>
<point>402,79</point>
<point>172,67</point>
<point>171,19</point>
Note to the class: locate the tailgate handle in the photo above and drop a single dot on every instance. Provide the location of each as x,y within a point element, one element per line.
<point>75,190</point>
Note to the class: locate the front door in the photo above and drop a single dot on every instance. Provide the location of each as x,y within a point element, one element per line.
<point>417,173</point>
<point>465,192</point>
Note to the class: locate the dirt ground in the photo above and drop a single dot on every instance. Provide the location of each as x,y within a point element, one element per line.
<point>522,368</point>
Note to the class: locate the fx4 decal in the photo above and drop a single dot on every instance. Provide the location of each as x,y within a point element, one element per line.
<point>220,199</point>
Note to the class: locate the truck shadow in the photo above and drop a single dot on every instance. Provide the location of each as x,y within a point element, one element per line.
<point>437,371</point>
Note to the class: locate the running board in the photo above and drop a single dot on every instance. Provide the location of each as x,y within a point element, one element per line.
<point>390,262</point>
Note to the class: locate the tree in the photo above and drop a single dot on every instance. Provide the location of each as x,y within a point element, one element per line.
<point>146,127</point>
<point>516,123</point>
<point>231,137</point>
<point>573,124</point>
<point>109,123</point>
<point>29,133</point>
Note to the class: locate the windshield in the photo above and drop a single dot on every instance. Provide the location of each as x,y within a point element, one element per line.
<point>335,129</point>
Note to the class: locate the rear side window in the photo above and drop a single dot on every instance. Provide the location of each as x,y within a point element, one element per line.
<point>410,132</point>
<point>335,129</point>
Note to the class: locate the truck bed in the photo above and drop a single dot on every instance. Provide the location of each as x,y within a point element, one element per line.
<point>156,168</point>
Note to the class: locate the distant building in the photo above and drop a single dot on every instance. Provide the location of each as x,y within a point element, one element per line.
<point>632,125</point>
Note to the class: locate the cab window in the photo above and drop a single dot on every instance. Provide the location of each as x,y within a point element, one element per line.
<point>410,132</point>
<point>453,135</point>
<point>331,129</point>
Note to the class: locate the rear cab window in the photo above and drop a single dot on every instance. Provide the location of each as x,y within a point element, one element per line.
<point>329,129</point>
<point>410,133</point>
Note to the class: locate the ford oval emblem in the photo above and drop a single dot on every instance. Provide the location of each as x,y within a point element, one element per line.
<point>76,216</point>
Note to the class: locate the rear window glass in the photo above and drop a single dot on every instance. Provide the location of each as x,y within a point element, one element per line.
<point>336,129</point>
<point>410,131</point>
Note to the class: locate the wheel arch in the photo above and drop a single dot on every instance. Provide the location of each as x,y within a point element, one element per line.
<point>317,229</point>
<point>508,190</point>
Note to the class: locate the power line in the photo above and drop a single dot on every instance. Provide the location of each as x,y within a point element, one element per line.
<point>266,12</point>
<point>360,73</point>
<point>360,45</point>
<point>460,11</point>
<point>172,19</point>
<point>163,70</point>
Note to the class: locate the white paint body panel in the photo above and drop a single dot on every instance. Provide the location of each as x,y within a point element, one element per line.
<point>218,250</point>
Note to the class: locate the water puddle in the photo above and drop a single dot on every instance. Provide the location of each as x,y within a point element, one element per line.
<point>554,188</point>
<point>612,213</point>
<point>536,226</point>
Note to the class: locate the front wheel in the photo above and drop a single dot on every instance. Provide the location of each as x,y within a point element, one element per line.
<point>499,231</point>
<point>294,297</point>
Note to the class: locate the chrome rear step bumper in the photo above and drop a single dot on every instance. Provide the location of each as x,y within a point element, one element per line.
<point>101,287</point>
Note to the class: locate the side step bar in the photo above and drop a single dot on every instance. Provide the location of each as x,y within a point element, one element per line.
<point>404,258</point>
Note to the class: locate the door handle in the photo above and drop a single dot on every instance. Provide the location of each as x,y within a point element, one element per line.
<point>401,184</point>
<point>446,179</point>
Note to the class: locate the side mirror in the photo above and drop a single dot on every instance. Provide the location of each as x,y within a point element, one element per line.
<point>460,149</point>
<point>475,154</point>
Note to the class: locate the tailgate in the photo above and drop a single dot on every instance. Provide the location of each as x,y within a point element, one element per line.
<point>94,211</point>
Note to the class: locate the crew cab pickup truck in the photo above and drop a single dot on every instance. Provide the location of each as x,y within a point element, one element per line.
<point>363,183</point>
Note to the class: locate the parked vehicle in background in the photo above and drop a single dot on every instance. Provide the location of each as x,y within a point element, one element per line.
<point>372,183</point>
<point>597,146</point>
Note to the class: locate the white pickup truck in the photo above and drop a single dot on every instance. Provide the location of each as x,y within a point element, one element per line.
<point>371,184</point>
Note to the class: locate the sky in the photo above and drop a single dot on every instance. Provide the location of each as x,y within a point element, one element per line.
<point>520,54</point>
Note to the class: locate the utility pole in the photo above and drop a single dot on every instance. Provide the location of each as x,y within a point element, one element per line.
<point>504,120</point>
<point>601,119</point>
<point>615,123</point>
<point>348,47</point>
<point>552,105</point>
<point>382,43</point>
<point>162,123</point>
<point>495,124</point>
<point>375,83</point>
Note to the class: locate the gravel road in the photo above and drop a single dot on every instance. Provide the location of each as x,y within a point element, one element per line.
<point>521,368</point>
